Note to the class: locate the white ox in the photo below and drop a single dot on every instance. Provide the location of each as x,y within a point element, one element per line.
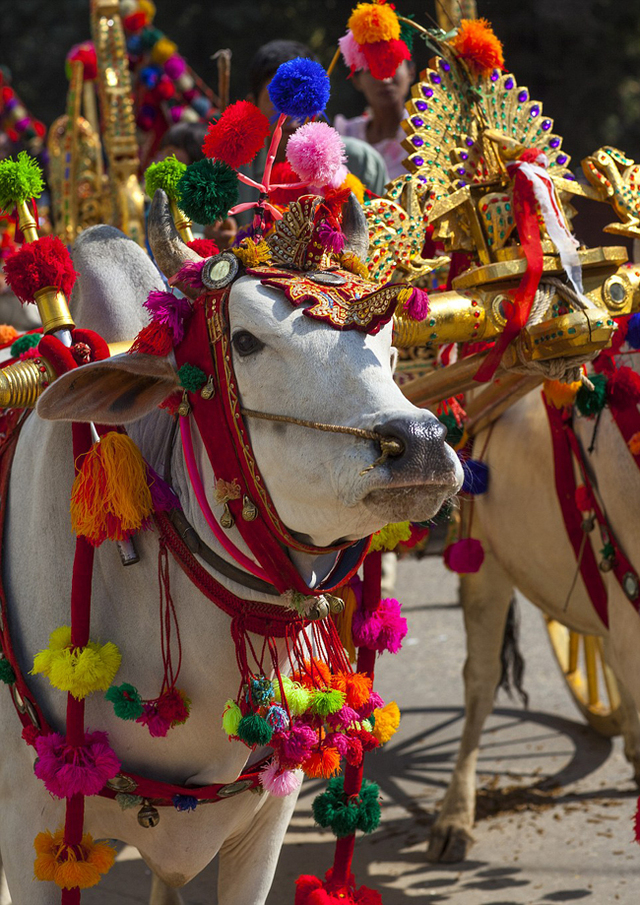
<point>520,524</point>
<point>300,368</point>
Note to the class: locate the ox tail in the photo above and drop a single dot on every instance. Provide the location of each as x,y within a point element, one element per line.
<point>511,658</point>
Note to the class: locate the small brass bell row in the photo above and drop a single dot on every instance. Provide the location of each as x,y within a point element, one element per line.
<point>148,816</point>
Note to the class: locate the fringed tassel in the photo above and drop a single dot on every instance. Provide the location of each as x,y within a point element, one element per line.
<point>110,496</point>
<point>71,866</point>
<point>77,670</point>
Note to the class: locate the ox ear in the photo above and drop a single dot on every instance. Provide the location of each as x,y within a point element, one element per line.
<point>115,391</point>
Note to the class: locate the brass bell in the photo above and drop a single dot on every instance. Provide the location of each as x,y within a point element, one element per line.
<point>227,521</point>
<point>208,391</point>
<point>606,565</point>
<point>184,408</point>
<point>249,509</point>
<point>148,816</point>
<point>319,610</point>
<point>588,524</point>
<point>336,604</point>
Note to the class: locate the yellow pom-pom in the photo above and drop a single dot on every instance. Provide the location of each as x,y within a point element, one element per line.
<point>71,866</point>
<point>390,536</point>
<point>252,253</point>
<point>372,22</point>
<point>354,185</point>
<point>560,394</point>
<point>387,720</point>
<point>231,716</point>
<point>634,444</point>
<point>162,50</point>
<point>351,262</point>
<point>78,671</point>
<point>148,8</point>
<point>110,497</point>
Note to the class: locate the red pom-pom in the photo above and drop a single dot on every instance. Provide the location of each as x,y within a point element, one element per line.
<point>465,556</point>
<point>623,388</point>
<point>206,248</point>
<point>135,22</point>
<point>583,498</point>
<point>154,339</point>
<point>282,174</point>
<point>37,265</point>
<point>384,57</point>
<point>238,135</point>
<point>165,88</point>
<point>86,54</point>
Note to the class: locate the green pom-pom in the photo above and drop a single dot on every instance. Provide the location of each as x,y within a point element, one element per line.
<point>591,402</point>
<point>344,815</point>
<point>298,698</point>
<point>150,36</point>
<point>254,730</point>
<point>192,378</point>
<point>165,175</point>
<point>231,717</point>
<point>407,32</point>
<point>20,180</point>
<point>207,190</point>
<point>454,431</point>
<point>326,702</point>
<point>24,342</point>
<point>7,674</point>
<point>126,700</point>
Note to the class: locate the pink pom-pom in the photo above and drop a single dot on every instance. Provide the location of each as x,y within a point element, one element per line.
<point>339,177</point>
<point>191,274</point>
<point>175,66</point>
<point>352,54</point>
<point>296,745</point>
<point>343,718</point>
<point>315,152</point>
<point>365,628</point>
<point>417,306</point>
<point>169,310</point>
<point>394,626</point>
<point>465,556</point>
<point>332,239</point>
<point>67,770</point>
<point>372,704</point>
<point>278,781</point>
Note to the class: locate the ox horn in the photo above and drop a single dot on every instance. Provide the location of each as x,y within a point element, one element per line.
<point>169,251</point>
<point>355,229</point>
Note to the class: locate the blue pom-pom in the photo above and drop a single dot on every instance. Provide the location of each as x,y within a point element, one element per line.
<point>201,105</point>
<point>277,718</point>
<point>633,331</point>
<point>149,76</point>
<point>184,802</point>
<point>300,88</point>
<point>134,45</point>
<point>476,477</point>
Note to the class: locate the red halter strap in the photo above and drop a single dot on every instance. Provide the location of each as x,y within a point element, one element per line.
<point>207,345</point>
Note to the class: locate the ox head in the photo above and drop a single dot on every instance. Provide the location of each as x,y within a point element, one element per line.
<point>321,482</point>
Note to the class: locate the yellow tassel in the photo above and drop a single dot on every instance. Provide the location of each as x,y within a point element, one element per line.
<point>71,866</point>
<point>78,671</point>
<point>405,294</point>
<point>252,253</point>
<point>387,722</point>
<point>110,497</point>
<point>634,444</point>
<point>390,536</point>
<point>560,394</point>
<point>351,262</point>
<point>344,620</point>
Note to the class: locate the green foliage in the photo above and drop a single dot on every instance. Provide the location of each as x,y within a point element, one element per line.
<point>20,180</point>
<point>164,175</point>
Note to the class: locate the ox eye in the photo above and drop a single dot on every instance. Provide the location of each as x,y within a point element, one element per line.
<point>246,343</point>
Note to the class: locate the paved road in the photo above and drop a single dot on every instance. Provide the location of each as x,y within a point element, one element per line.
<point>556,804</point>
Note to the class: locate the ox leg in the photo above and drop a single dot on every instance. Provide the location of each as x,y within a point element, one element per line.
<point>161,894</point>
<point>629,715</point>
<point>248,859</point>
<point>485,597</point>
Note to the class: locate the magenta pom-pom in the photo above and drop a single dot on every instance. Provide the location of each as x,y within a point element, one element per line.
<point>175,66</point>
<point>279,782</point>
<point>464,556</point>
<point>167,309</point>
<point>296,745</point>
<point>394,626</point>
<point>332,239</point>
<point>352,54</point>
<point>417,306</point>
<point>316,152</point>
<point>163,499</point>
<point>365,628</point>
<point>68,770</point>
<point>191,274</point>
<point>343,718</point>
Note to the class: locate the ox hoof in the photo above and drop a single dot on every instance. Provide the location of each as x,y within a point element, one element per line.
<point>448,844</point>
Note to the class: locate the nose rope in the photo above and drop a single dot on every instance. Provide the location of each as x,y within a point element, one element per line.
<point>389,446</point>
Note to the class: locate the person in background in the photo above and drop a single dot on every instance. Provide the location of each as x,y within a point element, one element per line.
<point>380,124</point>
<point>184,140</point>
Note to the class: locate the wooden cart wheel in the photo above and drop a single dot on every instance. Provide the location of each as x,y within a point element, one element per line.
<point>590,680</point>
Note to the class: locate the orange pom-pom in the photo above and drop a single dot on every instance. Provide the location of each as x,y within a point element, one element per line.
<point>634,444</point>
<point>357,688</point>
<point>70,866</point>
<point>371,22</point>
<point>315,674</point>
<point>322,764</point>
<point>560,394</point>
<point>477,45</point>
<point>7,334</point>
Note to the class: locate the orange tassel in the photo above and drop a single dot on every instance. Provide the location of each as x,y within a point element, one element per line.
<point>560,394</point>
<point>110,496</point>
<point>322,764</point>
<point>71,865</point>
<point>357,688</point>
<point>634,444</point>
<point>344,620</point>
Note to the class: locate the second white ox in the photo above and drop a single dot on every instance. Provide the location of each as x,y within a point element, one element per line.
<point>294,366</point>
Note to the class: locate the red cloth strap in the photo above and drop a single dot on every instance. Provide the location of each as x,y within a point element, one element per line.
<point>566,491</point>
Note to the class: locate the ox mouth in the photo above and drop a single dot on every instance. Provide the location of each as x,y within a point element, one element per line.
<point>413,502</point>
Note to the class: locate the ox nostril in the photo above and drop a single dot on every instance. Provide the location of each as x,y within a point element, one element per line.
<point>392,446</point>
